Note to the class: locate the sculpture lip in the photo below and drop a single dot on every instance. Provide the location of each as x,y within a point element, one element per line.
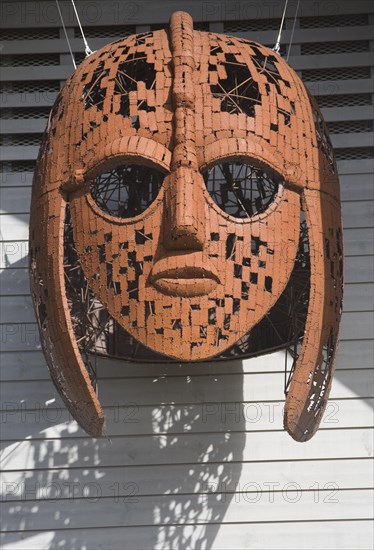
<point>186,272</point>
<point>184,275</point>
<point>183,266</point>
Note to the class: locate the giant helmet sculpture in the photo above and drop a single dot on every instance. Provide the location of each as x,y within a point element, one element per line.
<point>186,206</point>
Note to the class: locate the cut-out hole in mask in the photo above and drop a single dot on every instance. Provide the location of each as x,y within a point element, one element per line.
<point>241,189</point>
<point>127,190</point>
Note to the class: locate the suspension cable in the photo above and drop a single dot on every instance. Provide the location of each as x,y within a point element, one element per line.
<point>66,35</point>
<point>277,44</point>
<point>293,30</point>
<point>87,49</point>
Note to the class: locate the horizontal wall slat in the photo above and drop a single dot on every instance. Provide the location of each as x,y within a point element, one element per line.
<point>358,269</point>
<point>281,536</point>
<point>19,47</point>
<point>14,254</point>
<point>180,390</point>
<point>17,486</point>
<point>353,140</point>
<point>25,126</point>
<point>14,228</point>
<point>356,325</point>
<point>364,112</point>
<point>362,59</point>
<point>15,179</point>
<point>352,354</point>
<point>49,423</point>
<point>363,166</point>
<point>339,87</point>
<point>359,297</point>
<point>10,153</point>
<point>185,449</point>
<point>353,504</point>
<point>356,187</point>
<point>14,281</point>
<point>50,72</point>
<point>30,365</point>
<point>9,100</point>
<point>15,199</point>
<point>357,242</point>
<point>358,214</point>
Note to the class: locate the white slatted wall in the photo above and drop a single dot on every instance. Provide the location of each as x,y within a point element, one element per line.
<point>196,456</point>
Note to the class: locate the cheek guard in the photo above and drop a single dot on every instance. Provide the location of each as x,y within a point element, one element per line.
<point>186,206</point>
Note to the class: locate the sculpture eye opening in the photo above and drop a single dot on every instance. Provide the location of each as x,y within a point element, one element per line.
<point>241,189</point>
<point>127,190</point>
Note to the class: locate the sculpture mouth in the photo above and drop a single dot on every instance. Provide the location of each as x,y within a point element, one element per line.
<point>172,276</point>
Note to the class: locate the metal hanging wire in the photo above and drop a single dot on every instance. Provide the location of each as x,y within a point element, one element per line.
<point>87,49</point>
<point>293,30</point>
<point>66,35</point>
<point>277,44</point>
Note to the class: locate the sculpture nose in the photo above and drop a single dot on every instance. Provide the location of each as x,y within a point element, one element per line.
<point>184,207</point>
<point>184,202</point>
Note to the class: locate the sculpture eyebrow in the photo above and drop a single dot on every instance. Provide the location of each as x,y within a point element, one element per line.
<point>183,94</point>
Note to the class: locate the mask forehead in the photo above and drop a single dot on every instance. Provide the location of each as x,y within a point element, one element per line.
<point>246,91</point>
<point>123,90</point>
<point>242,91</point>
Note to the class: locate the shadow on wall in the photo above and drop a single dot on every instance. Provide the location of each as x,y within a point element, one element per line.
<point>169,465</point>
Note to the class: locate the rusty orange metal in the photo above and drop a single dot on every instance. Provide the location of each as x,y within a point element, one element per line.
<point>185,161</point>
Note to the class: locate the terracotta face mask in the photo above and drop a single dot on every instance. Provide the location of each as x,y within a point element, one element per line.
<point>187,191</point>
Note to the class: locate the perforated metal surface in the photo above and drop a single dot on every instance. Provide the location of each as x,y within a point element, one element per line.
<point>26,113</point>
<point>344,73</point>
<point>79,57</point>
<point>30,86</point>
<point>199,26</point>
<point>344,100</point>
<point>30,34</point>
<point>350,127</point>
<point>29,60</point>
<point>232,27</point>
<point>17,166</point>
<point>357,153</point>
<point>320,48</point>
<point>20,139</point>
<point>109,31</point>
<point>348,20</point>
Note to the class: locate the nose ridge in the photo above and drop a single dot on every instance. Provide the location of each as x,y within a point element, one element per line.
<point>184,210</point>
